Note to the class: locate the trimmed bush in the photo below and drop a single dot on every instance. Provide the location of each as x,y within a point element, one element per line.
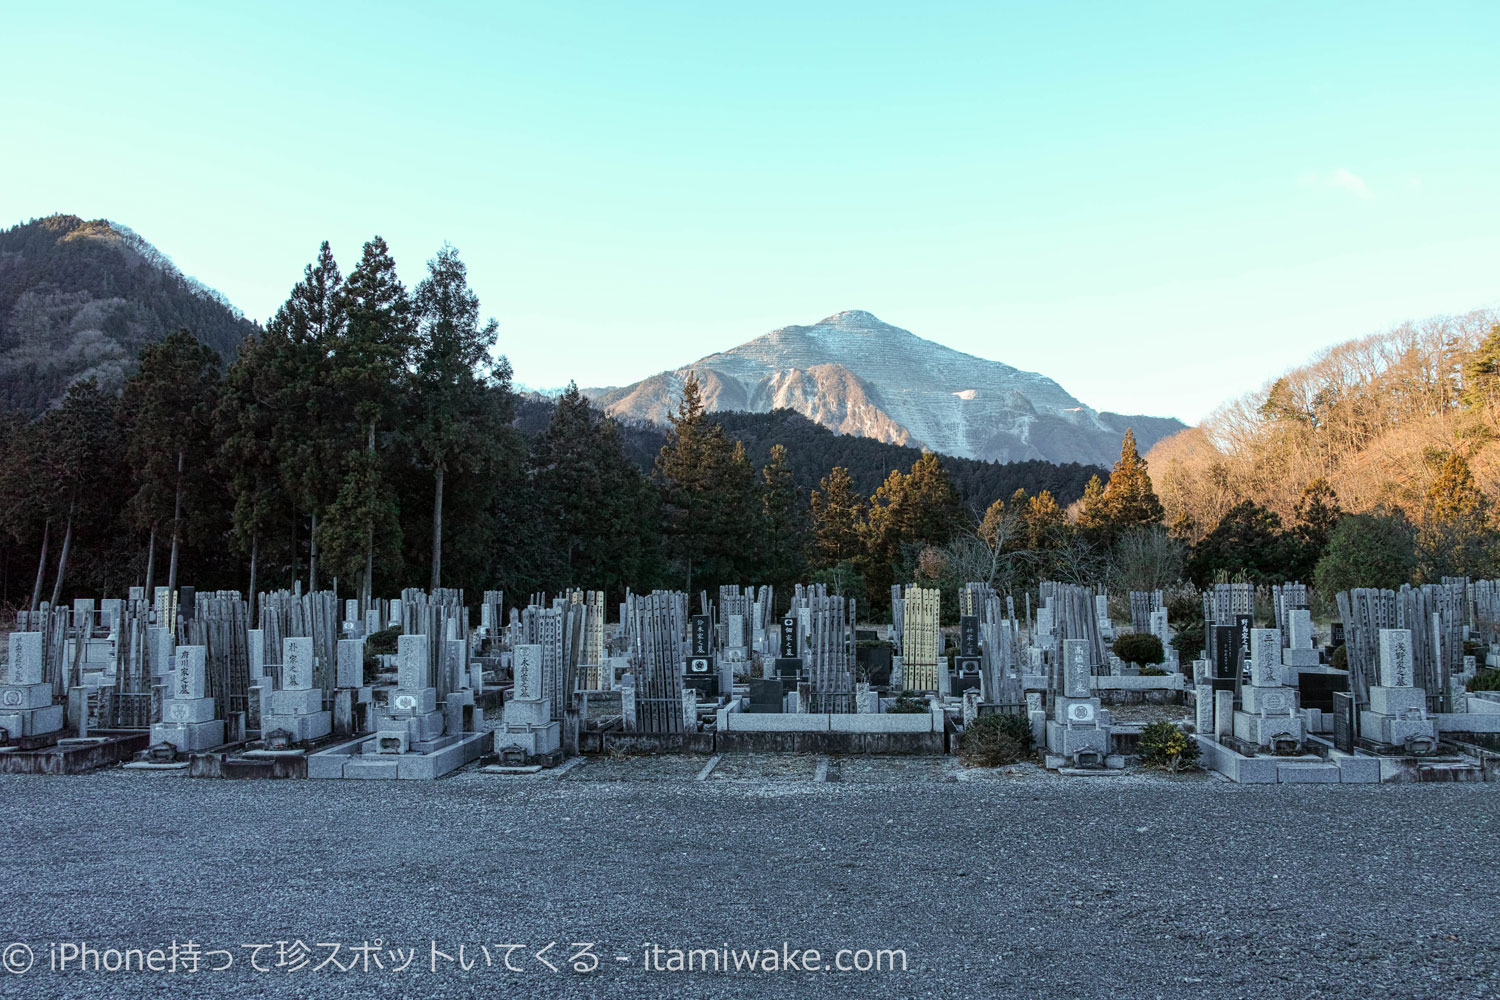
<point>996,740</point>
<point>1168,747</point>
<point>1140,648</point>
<point>383,641</point>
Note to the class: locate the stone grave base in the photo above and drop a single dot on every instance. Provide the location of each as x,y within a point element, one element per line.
<point>74,755</point>
<point>1269,769</point>
<point>615,740</point>
<point>1113,764</point>
<point>832,742</point>
<point>250,760</point>
<point>425,762</point>
<point>1449,763</point>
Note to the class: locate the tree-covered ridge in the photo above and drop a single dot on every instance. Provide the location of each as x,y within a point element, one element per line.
<point>1404,424</point>
<point>80,299</point>
<point>812,449</point>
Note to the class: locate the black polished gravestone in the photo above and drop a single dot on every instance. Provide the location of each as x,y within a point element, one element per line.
<point>789,648</point>
<point>1316,690</point>
<point>874,662</point>
<point>789,669</point>
<point>1343,721</point>
<point>187,603</point>
<point>766,694</point>
<point>1226,657</point>
<point>700,676</point>
<point>701,629</point>
<point>1336,634</point>
<point>966,670</point>
<point>968,635</point>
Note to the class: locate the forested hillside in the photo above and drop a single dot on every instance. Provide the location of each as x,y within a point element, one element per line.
<point>813,449</point>
<point>80,299</point>
<point>1404,423</point>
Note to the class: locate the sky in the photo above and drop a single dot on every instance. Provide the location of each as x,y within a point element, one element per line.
<point>1159,205</point>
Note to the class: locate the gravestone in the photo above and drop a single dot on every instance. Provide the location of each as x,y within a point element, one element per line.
<point>296,708</point>
<point>26,707</point>
<point>766,695</point>
<point>1076,733</point>
<point>187,713</point>
<point>699,675</point>
<point>1269,719</point>
<point>527,730</point>
<point>1299,652</point>
<point>1226,657</point>
<point>700,628</point>
<point>1397,717</point>
<point>789,649</point>
<point>1244,625</point>
<point>1342,710</point>
<point>968,635</point>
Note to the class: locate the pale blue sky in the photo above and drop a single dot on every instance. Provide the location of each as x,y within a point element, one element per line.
<point>1160,205</point>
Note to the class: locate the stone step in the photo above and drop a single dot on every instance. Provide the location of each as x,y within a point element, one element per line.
<point>1321,772</point>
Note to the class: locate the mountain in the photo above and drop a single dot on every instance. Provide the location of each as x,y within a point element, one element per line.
<point>856,375</point>
<point>81,298</point>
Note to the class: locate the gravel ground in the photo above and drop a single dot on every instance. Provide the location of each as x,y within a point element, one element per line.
<point>996,884</point>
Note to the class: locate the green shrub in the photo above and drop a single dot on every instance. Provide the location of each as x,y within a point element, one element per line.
<point>1140,648</point>
<point>996,740</point>
<point>383,641</point>
<point>1485,679</point>
<point>1152,670</point>
<point>908,703</point>
<point>1189,641</point>
<point>1340,658</point>
<point>1168,747</point>
<point>1375,549</point>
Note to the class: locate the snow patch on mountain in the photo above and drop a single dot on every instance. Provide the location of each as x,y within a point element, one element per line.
<point>858,375</point>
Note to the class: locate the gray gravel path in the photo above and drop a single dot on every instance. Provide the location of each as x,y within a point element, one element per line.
<point>995,886</point>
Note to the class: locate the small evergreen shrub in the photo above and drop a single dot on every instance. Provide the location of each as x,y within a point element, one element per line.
<point>1189,641</point>
<point>1152,670</point>
<point>908,703</point>
<point>1340,658</point>
<point>996,740</point>
<point>1168,747</point>
<point>1485,679</point>
<point>383,641</point>
<point>1140,648</point>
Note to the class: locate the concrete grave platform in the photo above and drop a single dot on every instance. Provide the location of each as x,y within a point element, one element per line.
<point>75,755</point>
<point>349,759</point>
<point>1268,769</point>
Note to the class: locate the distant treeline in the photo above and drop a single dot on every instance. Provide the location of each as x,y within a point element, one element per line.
<point>813,449</point>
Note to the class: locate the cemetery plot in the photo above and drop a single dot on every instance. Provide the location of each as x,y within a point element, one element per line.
<point>891,770</point>
<point>765,767</point>
<point>605,768</point>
